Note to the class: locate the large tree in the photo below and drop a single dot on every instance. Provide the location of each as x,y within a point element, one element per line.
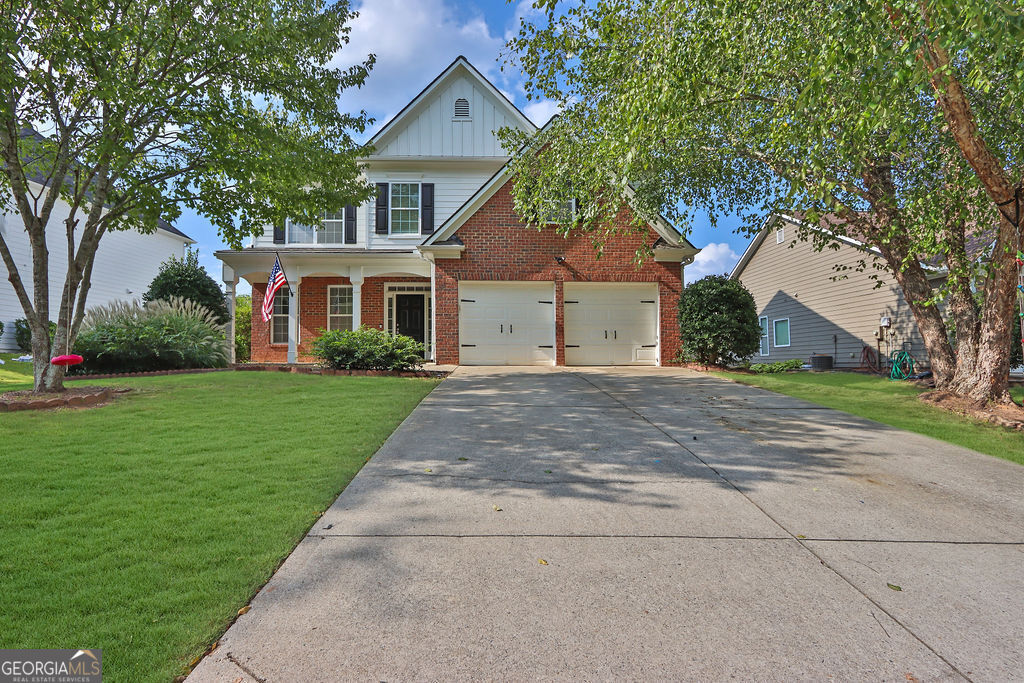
<point>760,105</point>
<point>130,111</point>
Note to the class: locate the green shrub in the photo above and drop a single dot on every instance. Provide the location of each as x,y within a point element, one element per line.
<point>718,321</point>
<point>23,334</point>
<point>779,366</point>
<point>367,349</point>
<point>160,335</point>
<point>185,278</point>
<point>243,328</point>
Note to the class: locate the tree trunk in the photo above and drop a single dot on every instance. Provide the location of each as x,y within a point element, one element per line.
<point>917,290</point>
<point>883,230</point>
<point>992,376</point>
<point>990,381</point>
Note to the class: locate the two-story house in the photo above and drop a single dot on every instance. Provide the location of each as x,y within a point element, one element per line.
<point>441,256</point>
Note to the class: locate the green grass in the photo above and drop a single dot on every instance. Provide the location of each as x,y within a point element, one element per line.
<point>13,374</point>
<point>891,403</point>
<point>141,527</point>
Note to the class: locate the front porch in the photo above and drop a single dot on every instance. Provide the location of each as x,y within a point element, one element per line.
<point>332,290</point>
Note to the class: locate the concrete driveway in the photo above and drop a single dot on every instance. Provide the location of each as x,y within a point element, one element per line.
<point>646,523</point>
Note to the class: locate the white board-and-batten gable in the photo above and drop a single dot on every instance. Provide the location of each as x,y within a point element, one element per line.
<point>456,115</point>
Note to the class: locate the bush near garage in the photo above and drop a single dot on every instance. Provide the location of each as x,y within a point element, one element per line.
<point>367,348</point>
<point>718,321</point>
<point>159,335</point>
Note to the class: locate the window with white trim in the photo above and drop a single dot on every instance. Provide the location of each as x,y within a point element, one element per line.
<point>279,318</point>
<point>405,209</point>
<point>300,234</point>
<point>339,307</point>
<point>764,351</point>
<point>780,236</point>
<point>780,329</point>
<point>332,230</point>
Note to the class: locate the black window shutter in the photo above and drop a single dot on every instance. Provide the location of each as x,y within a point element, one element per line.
<point>350,224</point>
<point>382,209</point>
<point>577,209</point>
<point>279,233</point>
<point>426,208</point>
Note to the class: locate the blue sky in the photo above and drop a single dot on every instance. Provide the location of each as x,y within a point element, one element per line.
<point>413,41</point>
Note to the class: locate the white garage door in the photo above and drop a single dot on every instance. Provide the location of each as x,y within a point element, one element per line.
<point>507,323</point>
<point>611,323</point>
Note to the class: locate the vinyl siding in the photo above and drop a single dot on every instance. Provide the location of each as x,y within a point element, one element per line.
<point>792,280</point>
<point>126,262</point>
<point>453,185</point>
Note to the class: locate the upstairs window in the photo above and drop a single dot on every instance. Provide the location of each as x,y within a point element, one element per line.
<point>405,208</point>
<point>461,108</point>
<point>332,229</point>
<point>780,236</point>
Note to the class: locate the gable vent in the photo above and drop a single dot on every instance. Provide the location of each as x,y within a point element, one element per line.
<point>462,108</point>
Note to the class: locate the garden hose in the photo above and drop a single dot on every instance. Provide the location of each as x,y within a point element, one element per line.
<point>902,365</point>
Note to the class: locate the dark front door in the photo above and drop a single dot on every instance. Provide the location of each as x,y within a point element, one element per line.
<point>409,315</point>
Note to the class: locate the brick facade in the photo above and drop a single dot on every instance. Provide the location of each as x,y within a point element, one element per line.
<point>313,314</point>
<point>500,247</point>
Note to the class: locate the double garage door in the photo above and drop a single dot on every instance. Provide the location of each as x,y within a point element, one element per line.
<point>513,323</point>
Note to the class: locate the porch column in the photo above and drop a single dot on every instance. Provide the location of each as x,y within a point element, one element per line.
<point>356,277</point>
<point>294,280</point>
<point>231,320</point>
<point>433,307</point>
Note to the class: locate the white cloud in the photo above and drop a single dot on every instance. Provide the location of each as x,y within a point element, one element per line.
<point>540,111</point>
<point>413,40</point>
<point>714,259</point>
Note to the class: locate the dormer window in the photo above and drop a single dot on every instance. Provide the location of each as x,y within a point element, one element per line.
<point>461,109</point>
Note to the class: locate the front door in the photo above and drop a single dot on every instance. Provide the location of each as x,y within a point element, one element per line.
<point>409,315</point>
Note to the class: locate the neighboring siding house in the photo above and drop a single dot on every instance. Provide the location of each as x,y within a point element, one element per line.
<point>440,255</point>
<point>126,262</point>
<point>806,306</point>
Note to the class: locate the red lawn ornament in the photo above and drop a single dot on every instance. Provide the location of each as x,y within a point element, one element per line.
<point>67,359</point>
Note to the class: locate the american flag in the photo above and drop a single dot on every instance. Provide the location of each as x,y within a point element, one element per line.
<point>276,282</point>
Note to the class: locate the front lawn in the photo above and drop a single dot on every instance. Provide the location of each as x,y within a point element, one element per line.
<point>141,527</point>
<point>891,403</point>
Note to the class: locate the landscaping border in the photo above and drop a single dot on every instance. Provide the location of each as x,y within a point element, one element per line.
<point>152,373</point>
<point>80,399</point>
<point>315,370</point>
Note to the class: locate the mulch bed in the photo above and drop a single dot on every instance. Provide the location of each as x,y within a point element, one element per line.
<point>73,397</point>
<point>1009,416</point>
<point>314,370</point>
<point>154,373</point>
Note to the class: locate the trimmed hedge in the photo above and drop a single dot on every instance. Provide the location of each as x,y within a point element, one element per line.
<point>367,348</point>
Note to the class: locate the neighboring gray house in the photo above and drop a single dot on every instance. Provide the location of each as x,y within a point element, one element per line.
<point>807,307</point>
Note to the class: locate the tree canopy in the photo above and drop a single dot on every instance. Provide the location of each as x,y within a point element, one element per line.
<point>185,278</point>
<point>131,111</point>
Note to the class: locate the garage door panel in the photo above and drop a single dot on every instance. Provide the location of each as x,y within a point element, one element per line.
<point>611,323</point>
<point>506,323</point>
